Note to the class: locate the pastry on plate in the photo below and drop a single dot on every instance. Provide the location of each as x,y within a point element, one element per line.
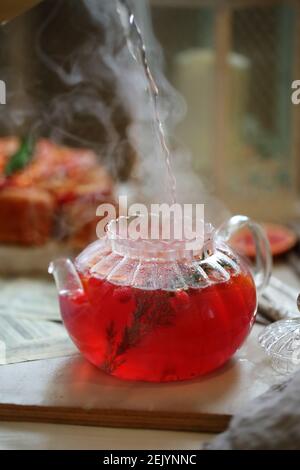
<point>48,197</point>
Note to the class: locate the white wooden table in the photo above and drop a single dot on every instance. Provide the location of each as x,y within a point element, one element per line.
<point>24,436</point>
<point>52,436</point>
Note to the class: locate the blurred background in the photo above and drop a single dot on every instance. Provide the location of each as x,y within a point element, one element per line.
<point>233,62</point>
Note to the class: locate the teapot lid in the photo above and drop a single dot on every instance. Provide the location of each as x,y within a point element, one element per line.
<point>154,237</point>
<point>156,263</point>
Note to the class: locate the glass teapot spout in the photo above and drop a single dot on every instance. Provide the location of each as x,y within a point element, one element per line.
<point>66,277</point>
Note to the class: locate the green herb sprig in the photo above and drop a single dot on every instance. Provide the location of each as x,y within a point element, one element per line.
<point>22,157</point>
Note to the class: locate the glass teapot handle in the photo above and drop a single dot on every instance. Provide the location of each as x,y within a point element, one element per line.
<point>263,257</point>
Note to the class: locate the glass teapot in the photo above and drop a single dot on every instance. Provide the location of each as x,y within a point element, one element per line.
<point>153,310</point>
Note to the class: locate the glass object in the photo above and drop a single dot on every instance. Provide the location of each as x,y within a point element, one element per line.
<point>281,342</point>
<point>156,311</point>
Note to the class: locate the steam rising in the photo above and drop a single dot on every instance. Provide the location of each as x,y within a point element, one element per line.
<point>103,89</point>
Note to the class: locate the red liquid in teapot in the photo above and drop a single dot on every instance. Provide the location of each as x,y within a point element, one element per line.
<point>158,335</point>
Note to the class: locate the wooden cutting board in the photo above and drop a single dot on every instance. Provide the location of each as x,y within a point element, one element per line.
<point>69,390</point>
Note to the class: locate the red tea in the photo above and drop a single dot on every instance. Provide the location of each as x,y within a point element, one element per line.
<point>160,335</point>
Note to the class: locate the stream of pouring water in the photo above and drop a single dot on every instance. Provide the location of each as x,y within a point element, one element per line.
<point>135,41</point>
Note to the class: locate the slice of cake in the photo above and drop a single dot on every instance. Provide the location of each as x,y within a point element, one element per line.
<point>51,195</point>
<point>26,216</point>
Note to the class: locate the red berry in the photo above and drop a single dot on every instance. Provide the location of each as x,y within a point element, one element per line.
<point>182,297</point>
<point>79,298</point>
<point>123,294</point>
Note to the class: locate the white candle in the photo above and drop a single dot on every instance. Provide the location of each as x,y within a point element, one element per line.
<point>194,75</point>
